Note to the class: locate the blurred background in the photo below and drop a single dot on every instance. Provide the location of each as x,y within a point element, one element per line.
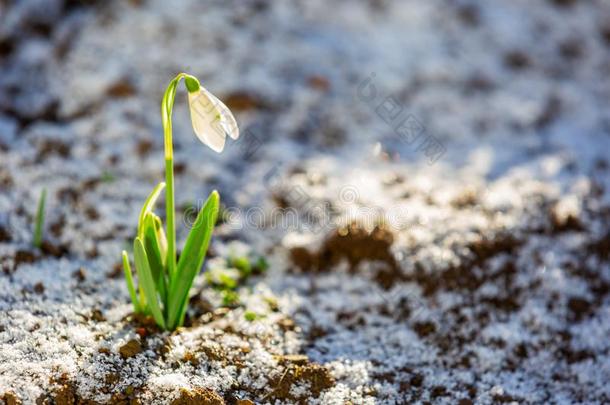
<point>355,94</point>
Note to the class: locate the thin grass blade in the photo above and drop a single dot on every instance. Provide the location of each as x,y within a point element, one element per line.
<point>40,218</point>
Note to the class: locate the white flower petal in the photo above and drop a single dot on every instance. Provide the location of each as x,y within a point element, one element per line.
<point>227,120</point>
<point>206,119</point>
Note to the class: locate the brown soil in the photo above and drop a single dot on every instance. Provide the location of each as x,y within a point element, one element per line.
<point>300,371</point>
<point>198,396</point>
<point>355,245</point>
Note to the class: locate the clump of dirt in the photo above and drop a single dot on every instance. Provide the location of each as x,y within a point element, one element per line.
<point>355,245</point>
<point>50,147</point>
<point>11,398</point>
<point>63,393</point>
<point>130,349</point>
<point>25,256</point>
<point>55,250</point>
<point>198,396</point>
<point>5,236</point>
<point>20,257</point>
<point>299,371</point>
<point>517,60</point>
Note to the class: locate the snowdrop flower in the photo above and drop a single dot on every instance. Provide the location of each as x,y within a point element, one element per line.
<point>212,120</point>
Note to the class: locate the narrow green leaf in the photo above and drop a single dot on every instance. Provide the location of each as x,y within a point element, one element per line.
<point>161,237</point>
<point>156,258</point>
<point>147,282</point>
<point>149,205</point>
<point>130,286</point>
<point>191,260</point>
<point>40,218</point>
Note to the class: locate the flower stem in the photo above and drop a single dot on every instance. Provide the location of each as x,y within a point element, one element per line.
<point>169,213</point>
<point>167,105</point>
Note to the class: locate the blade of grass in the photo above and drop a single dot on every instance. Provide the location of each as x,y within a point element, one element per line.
<point>191,259</point>
<point>40,218</point>
<point>130,285</point>
<point>146,281</point>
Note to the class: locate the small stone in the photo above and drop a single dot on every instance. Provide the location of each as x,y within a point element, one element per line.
<point>130,348</point>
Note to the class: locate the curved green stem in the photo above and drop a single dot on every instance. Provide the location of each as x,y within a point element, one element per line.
<point>167,105</point>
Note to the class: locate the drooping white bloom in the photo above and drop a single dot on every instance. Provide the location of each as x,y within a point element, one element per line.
<point>211,119</point>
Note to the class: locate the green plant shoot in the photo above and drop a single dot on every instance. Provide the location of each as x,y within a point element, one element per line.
<point>164,282</point>
<point>39,225</point>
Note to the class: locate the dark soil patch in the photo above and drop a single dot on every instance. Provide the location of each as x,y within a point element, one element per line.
<point>300,372</point>
<point>11,398</point>
<point>56,250</point>
<point>517,60</point>
<point>601,247</point>
<point>121,88</point>
<point>51,147</point>
<point>5,236</point>
<point>355,245</point>
<point>245,101</point>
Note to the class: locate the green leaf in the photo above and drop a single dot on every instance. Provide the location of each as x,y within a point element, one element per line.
<point>129,281</point>
<point>191,259</point>
<point>161,239</point>
<point>251,316</point>
<point>261,265</point>
<point>227,282</point>
<point>230,298</point>
<point>146,281</point>
<point>242,264</point>
<point>148,206</point>
<point>156,258</point>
